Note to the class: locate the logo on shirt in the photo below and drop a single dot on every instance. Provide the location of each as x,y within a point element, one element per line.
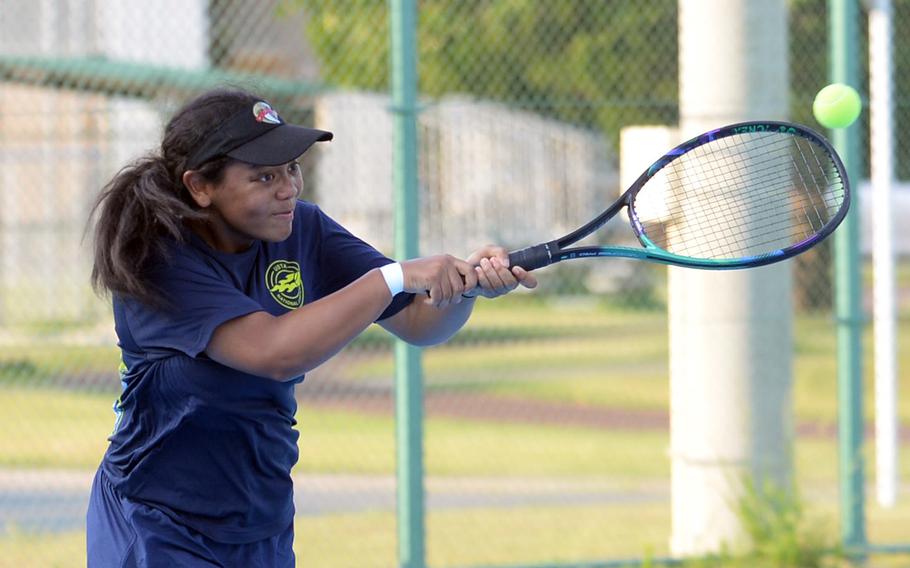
<point>284,283</point>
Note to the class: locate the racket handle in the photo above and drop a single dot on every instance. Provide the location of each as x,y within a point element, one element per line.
<point>531,258</point>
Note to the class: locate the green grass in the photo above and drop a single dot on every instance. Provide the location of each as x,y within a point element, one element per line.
<point>614,358</point>
<point>467,537</point>
<point>47,428</point>
<point>561,370</point>
<point>596,356</point>
<point>44,427</point>
<point>50,428</point>
<point>59,550</point>
<point>455,538</point>
<point>488,537</point>
<point>525,347</point>
<point>49,363</point>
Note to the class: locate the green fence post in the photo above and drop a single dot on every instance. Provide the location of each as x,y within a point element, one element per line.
<point>843,20</point>
<point>408,374</point>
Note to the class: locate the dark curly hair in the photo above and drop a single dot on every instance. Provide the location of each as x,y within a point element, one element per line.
<point>146,203</point>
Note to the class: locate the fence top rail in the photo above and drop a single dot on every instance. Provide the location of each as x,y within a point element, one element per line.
<point>140,80</point>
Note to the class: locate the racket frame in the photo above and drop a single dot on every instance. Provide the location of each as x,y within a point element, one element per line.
<point>544,254</point>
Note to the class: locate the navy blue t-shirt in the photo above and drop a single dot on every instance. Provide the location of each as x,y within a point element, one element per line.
<point>211,446</point>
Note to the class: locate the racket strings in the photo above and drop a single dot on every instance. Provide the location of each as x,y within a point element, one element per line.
<point>716,238</point>
<point>735,207</point>
<point>771,220</point>
<point>742,196</point>
<point>833,200</point>
<point>721,242</point>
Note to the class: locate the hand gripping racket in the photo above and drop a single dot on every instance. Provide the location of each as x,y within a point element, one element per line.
<point>741,196</point>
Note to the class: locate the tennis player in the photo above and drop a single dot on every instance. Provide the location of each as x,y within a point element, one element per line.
<point>226,290</point>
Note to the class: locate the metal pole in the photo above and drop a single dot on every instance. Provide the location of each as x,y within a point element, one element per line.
<point>730,408</point>
<point>881,112</point>
<point>408,374</point>
<point>844,49</point>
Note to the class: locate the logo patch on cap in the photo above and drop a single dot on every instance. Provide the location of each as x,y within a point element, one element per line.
<point>265,113</point>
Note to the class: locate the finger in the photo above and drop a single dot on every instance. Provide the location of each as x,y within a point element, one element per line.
<point>462,279</point>
<point>456,285</point>
<point>506,281</point>
<point>482,283</point>
<point>502,268</point>
<point>445,287</point>
<point>492,282</point>
<point>433,294</point>
<point>483,280</point>
<point>486,251</point>
<point>456,281</point>
<point>495,285</point>
<point>524,277</point>
<point>460,275</point>
<point>467,275</point>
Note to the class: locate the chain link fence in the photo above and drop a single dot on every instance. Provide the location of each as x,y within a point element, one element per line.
<point>547,416</point>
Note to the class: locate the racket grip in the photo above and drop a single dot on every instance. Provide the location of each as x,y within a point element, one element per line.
<point>531,258</point>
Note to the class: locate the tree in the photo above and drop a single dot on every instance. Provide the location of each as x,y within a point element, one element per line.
<point>619,57</point>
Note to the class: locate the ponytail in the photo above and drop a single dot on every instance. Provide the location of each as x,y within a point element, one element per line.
<point>145,206</point>
<point>137,213</point>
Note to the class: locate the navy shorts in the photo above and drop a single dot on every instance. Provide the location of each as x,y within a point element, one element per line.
<point>121,533</point>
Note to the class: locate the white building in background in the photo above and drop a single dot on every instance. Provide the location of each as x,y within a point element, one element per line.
<point>57,146</point>
<point>488,173</point>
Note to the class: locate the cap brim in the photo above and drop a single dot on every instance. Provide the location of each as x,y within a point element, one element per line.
<point>279,145</point>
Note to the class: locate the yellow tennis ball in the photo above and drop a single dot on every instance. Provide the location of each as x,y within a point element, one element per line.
<point>837,106</point>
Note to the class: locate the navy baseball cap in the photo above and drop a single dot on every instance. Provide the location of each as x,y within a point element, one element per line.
<point>256,135</point>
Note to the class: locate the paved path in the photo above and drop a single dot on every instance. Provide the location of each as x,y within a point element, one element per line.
<point>482,407</point>
<point>54,500</point>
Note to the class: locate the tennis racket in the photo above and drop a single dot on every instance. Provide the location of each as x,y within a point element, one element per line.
<point>740,196</point>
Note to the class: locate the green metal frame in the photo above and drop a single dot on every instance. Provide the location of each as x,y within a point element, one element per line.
<point>843,35</point>
<point>408,366</point>
<point>123,78</point>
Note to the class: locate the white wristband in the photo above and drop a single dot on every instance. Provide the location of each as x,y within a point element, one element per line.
<point>394,277</point>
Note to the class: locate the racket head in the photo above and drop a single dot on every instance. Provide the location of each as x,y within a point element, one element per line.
<point>740,196</point>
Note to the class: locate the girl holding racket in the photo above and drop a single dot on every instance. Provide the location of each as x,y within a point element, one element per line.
<point>226,290</point>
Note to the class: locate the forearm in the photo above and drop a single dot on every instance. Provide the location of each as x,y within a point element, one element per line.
<point>296,342</point>
<point>287,346</point>
<point>423,324</point>
<point>316,332</point>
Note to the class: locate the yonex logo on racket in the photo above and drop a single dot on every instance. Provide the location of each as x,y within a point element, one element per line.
<point>283,280</point>
<point>763,128</point>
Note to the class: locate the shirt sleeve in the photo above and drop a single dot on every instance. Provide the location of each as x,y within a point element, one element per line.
<point>199,297</point>
<point>344,258</point>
